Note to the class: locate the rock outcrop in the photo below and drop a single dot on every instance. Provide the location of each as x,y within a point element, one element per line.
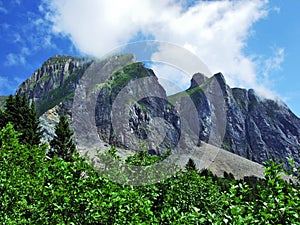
<point>258,129</point>
<point>120,102</point>
<point>132,109</point>
<point>55,81</point>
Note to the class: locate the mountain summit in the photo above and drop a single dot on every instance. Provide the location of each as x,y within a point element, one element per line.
<point>258,129</point>
<point>234,119</point>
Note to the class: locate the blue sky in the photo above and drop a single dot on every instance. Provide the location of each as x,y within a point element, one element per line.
<point>254,43</point>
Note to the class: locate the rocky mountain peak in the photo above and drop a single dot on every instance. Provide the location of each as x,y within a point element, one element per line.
<point>219,77</point>
<point>255,128</point>
<point>200,79</point>
<point>197,80</point>
<point>128,105</point>
<point>55,66</point>
<point>54,81</point>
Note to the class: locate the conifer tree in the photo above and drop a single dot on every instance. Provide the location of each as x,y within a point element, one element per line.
<point>190,165</point>
<point>2,119</point>
<point>62,144</point>
<point>24,119</point>
<point>33,130</point>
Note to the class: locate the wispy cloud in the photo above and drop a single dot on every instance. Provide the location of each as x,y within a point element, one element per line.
<point>38,31</point>
<point>273,63</point>
<point>5,26</point>
<point>216,31</point>
<point>29,37</point>
<point>266,69</point>
<point>2,8</point>
<point>18,2</point>
<point>14,60</point>
<point>17,38</point>
<point>172,79</point>
<point>8,85</point>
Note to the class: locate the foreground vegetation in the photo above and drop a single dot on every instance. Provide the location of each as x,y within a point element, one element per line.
<point>38,189</point>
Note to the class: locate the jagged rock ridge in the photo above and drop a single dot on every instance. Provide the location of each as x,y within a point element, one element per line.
<point>55,81</point>
<point>139,100</point>
<point>255,128</point>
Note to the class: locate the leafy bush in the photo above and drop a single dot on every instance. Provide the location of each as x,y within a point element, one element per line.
<point>38,191</point>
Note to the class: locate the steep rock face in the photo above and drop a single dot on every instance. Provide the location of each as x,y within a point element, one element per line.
<point>52,88</point>
<point>256,128</point>
<point>97,79</point>
<point>132,110</point>
<point>51,117</point>
<point>261,129</point>
<point>208,97</point>
<point>54,81</point>
<point>127,114</point>
<point>197,80</point>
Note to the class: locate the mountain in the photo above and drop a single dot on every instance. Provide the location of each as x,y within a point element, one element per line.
<point>55,81</point>
<point>117,101</point>
<point>258,129</point>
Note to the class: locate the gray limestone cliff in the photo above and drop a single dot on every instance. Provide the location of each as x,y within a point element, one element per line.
<point>129,107</point>
<point>256,128</point>
<point>54,81</point>
<point>132,109</point>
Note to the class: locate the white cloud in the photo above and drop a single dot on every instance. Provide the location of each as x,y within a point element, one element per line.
<point>171,78</point>
<point>216,31</point>
<point>181,58</point>
<point>276,9</point>
<point>266,68</point>
<point>34,36</point>
<point>274,62</point>
<point>14,59</point>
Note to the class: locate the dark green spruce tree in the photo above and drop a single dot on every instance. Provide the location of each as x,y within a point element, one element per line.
<point>62,144</point>
<point>23,117</point>
<point>190,165</point>
<point>2,119</point>
<point>34,124</point>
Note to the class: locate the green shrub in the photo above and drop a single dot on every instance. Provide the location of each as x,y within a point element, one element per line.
<point>38,191</point>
